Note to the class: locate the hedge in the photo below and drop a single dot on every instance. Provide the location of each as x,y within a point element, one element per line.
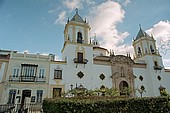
<point>107,105</point>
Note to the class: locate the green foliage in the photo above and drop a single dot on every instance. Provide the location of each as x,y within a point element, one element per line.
<point>164,93</point>
<point>104,91</point>
<point>112,92</point>
<point>99,104</point>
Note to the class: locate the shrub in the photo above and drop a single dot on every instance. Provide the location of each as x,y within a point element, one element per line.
<point>106,105</point>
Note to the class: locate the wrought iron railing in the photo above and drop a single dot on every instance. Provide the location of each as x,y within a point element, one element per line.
<point>16,108</point>
<point>26,79</point>
<point>82,61</point>
<point>157,67</point>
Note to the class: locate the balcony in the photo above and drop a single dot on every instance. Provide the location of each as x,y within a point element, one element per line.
<point>15,108</point>
<point>157,67</point>
<point>80,61</point>
<point>26,79</point>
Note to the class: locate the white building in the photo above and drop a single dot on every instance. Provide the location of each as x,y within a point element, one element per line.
<point>84,63</point>
<point>26,75</point>
<point>154,75</point>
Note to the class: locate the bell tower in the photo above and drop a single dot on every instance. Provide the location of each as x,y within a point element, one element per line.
<point>144,45</point>
<point>77,45</point>
<point>145,50</point>
<point>77,30</point>
<point>146,53</point>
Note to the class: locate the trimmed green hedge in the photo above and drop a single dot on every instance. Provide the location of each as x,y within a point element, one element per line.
<point>107,105</point>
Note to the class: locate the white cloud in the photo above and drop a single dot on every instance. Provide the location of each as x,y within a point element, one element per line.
<point>166,63</point>
<point>103,20</point>
<point>26,51</point>
<point>53,11</point>
<point>126,2</point>
<point>161,30</point>
<point>73,4</point>
<point>61,18</point>
<point>90,2</point>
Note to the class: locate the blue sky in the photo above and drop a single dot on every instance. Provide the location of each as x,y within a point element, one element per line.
<point>37,26</point>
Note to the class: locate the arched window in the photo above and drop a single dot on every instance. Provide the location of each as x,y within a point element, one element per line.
<point>79,37</point>
<point>146,50</point>
<point>151,48</point>
<point>139,50</point>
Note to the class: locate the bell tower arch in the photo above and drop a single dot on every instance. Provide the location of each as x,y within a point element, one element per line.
<point>77,30</point>
<point>76,35</point>
<point>144,44</point>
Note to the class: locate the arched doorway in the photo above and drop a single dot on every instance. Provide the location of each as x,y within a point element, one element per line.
<point>124,88</point>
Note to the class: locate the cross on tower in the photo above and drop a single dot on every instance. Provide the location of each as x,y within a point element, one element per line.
<point>76,10</point>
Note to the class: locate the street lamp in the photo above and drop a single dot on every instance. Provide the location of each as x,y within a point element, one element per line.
<point>71,86</point>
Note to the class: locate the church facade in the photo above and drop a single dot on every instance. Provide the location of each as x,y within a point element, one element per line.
<point>84,64</point>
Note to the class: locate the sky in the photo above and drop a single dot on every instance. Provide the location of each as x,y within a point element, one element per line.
<point>36,26</point>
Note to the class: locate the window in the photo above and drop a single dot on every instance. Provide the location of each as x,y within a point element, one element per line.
<point>12,94</point>
<point>80,74</point>
<point>15,73</point>
<point>151,48</point>
<point>146,50</point>
<point>141,78</point>
<point>155,63</point>
<point>57,74</point>
<point>139,50</point>
<point>28,72</point>
<point>80,57</point>
<point>57,92</point>
<point>79,37</point>
<point>28,69</point>
<point>41,73</point>
<point>102,77</point>
<point>159,78</point>
<point>39,95</point>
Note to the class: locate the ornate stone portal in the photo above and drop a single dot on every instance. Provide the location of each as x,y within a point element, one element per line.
<point>122,74</point>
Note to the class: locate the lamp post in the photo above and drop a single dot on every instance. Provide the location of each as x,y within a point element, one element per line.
<point>71,86</point>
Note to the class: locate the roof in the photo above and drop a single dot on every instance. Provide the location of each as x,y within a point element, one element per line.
<point>102,58</point>
<point>142,33</point>
<point>77,18</point>
<point>7,51</point>
<point>99,48</point>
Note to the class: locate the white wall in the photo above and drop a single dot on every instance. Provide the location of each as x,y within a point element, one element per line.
<point>2,69</point>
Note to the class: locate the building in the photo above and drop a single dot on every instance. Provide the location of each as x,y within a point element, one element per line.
<point>25,76</point>
<point>87,64</point>
<point>84,64</point>
<point>4,61</point>
<point>154,76</point>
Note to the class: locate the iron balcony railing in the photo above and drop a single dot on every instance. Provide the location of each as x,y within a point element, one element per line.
<point>13,78</point>
<point>16,108</point>
<point>157,67</point>
<point>82,61</point>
